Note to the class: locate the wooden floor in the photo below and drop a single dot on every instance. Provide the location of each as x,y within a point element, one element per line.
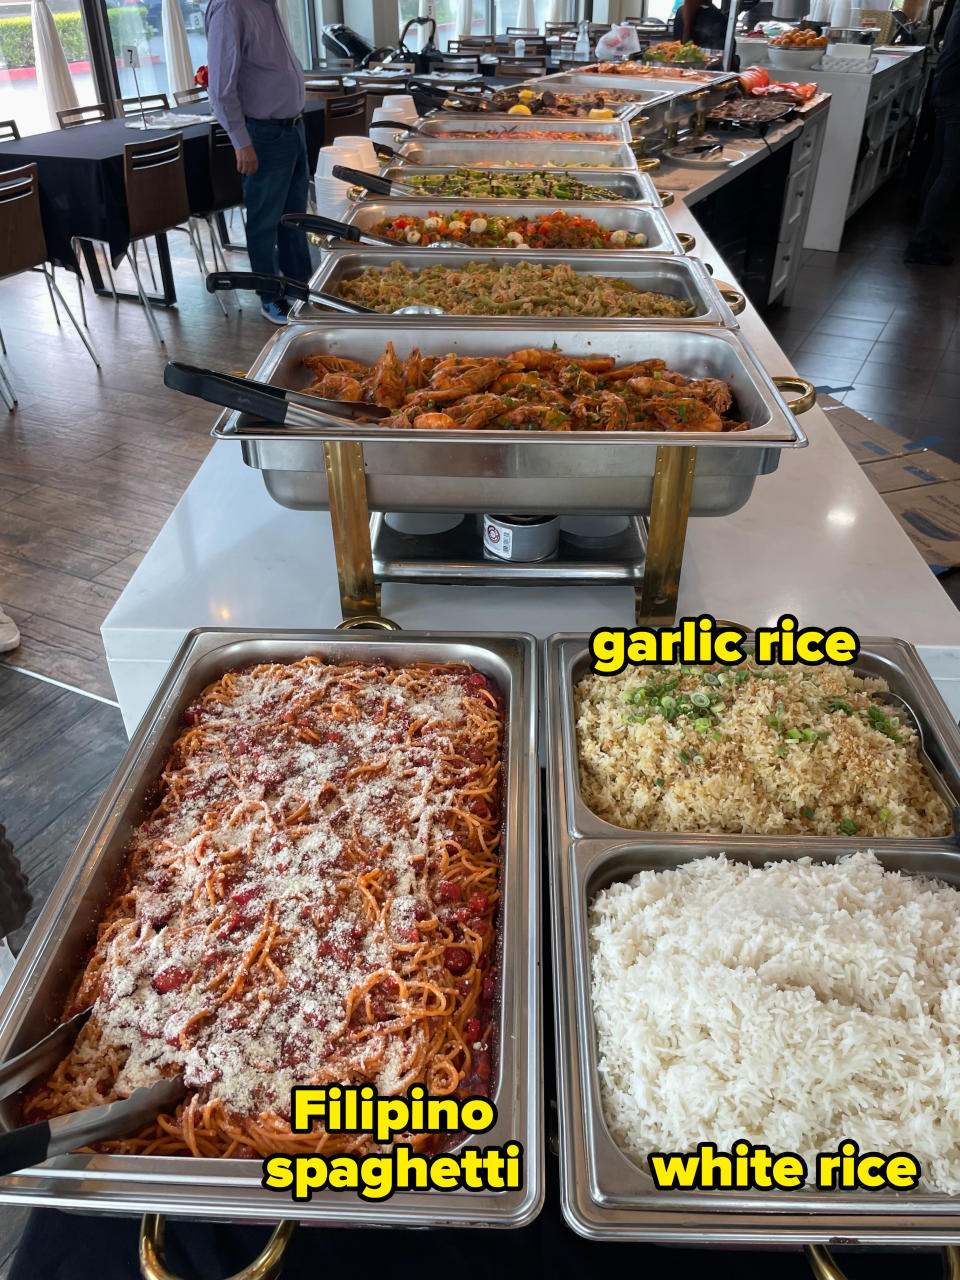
<point>58,750</point>
<point>92,462</point>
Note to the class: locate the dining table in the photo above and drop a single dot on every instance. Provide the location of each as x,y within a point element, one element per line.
<point>81,184</point>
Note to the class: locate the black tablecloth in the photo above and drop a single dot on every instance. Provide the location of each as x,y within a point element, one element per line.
<point>81,176</point>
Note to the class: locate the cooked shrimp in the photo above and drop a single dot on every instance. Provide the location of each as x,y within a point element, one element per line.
<point>414,374</point>
<point>474,412</point>
<point>385,384</point>
<point>533,358</point>
<point>642,369</point>
<point>333,364</point>
<point>336,386</point>
<point>435,422</point>
<point>603,411</point>
<point>684,413</point>
<point>714,392</point>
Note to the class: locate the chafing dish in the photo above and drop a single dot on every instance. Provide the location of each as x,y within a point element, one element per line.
<point>646,219</point>
<point>605,1195</point>
<point>442,126</point>
<point>617,184</point>
<point>209,1188</point>
<point>534,472</point>
<point>893,660</point>
<point>676,275</point>
<point>495,153</point>
<point>675,99</point>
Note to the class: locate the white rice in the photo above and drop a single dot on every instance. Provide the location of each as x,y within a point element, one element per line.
<point>793,1005</point>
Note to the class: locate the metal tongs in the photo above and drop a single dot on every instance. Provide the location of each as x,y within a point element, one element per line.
<point>318,224</point>
<point>278,286</point>
<point>34,1143</point>
<point>274,405</point>
<point>372,182</point>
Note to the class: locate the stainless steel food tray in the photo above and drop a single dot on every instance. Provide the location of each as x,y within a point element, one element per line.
<point>673,274</point>
<point>530,472</point>
<point>442,126</point>
<point>616,184</point>
<point>894,660</point>
<point>605,1196</point>
<point>693,76</point>
<point>462,152</point>
<point>647,219</point>
<point>573,82</point>
<point>32,1000</point>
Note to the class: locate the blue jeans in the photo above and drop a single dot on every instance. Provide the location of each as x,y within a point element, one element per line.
<point>279,186</point>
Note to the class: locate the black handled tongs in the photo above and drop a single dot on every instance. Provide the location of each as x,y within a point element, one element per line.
<point>372,182</point>
<point>276,405</point>
<point>34,1143</point>
<point>280,286</point>
<point>319,224</point>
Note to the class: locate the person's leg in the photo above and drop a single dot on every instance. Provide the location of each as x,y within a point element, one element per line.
<point>264,194</point>
<point>293,253</point>
<point>925,245</point>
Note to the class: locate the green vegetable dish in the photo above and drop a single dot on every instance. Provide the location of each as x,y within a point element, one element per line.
<point>536,184</point>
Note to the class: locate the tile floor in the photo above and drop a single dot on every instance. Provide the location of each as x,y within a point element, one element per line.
<point>885,336</point>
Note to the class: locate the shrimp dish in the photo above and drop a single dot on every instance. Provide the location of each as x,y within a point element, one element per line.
<point>531,390</point>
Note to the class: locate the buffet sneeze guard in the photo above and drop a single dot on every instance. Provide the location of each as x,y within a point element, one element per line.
<point>357,468</point>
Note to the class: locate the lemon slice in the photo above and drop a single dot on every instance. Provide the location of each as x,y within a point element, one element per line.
<point>601,113</point>
<point>519,110</point>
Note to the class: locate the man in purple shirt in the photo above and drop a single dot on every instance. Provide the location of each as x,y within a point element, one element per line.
<point>256,88</point>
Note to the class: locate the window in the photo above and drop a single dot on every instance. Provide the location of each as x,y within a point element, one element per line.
<point>20,97</point>
<point>448,18</point>
<point>141,25</point>
<point>508,11</point>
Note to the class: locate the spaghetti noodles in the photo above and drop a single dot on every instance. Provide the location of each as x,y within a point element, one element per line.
<point>312,901</point>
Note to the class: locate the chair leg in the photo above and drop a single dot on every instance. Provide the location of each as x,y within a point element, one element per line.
<point>218,253</point>
<point>7,393</point>
<point>151,318</point>
<point>3,345</point>
<point>83,304</point>
<point>146,250</point>
<point>109,265</point>
<point>196,238</point>
<point>53,302</point>
<point>55,289</point>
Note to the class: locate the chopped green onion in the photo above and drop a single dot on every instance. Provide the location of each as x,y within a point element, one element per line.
<point>627,696</point>
<point>700,699</point>
<point>711,678</point>
<point>781,751</point>
<point>717,736</point>
<point>793,734</point>
<point>698,759</point>
<point>640,696</point>
<point>884,815</point>
<point>807,812</point>
<point>775,723</point>
<point>668,702</point>
<point>701,725</point>
<point>684,757</point>
<point>848,827</point>
<point>658,782</point>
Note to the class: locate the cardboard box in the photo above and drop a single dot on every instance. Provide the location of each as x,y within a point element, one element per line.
<point>911,470</point>
<point>920,486</point>
<point>930,515</point>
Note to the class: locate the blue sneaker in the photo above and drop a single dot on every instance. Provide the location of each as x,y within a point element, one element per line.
<point>275,310</point>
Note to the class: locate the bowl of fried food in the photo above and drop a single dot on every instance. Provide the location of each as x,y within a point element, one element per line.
<point>796,50</point>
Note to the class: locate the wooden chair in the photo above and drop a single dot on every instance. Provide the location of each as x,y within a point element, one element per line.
<point>23,247</point>
<point>523,31</point>
<point>477,44</point>
<point>226,187</point>
<point>534,46</point>
<point>523,68</point>
<point>344,115</point>
<point>9,131</point>
<point>472,65</point>
<point>74,116</point>
<point>149,102</point>
<point>559,28</point>
<point>182,96</point>
<point>156,187</point>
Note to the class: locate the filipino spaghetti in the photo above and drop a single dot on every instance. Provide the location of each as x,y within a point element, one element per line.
<point>311,901</point>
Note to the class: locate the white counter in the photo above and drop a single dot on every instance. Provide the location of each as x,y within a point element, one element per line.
<point>815,539</point>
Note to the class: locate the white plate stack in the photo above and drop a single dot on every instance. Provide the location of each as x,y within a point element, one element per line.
<point>398,108</point>
<point>331,193</point>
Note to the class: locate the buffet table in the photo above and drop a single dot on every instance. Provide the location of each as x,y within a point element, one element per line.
<point>814,539</point>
